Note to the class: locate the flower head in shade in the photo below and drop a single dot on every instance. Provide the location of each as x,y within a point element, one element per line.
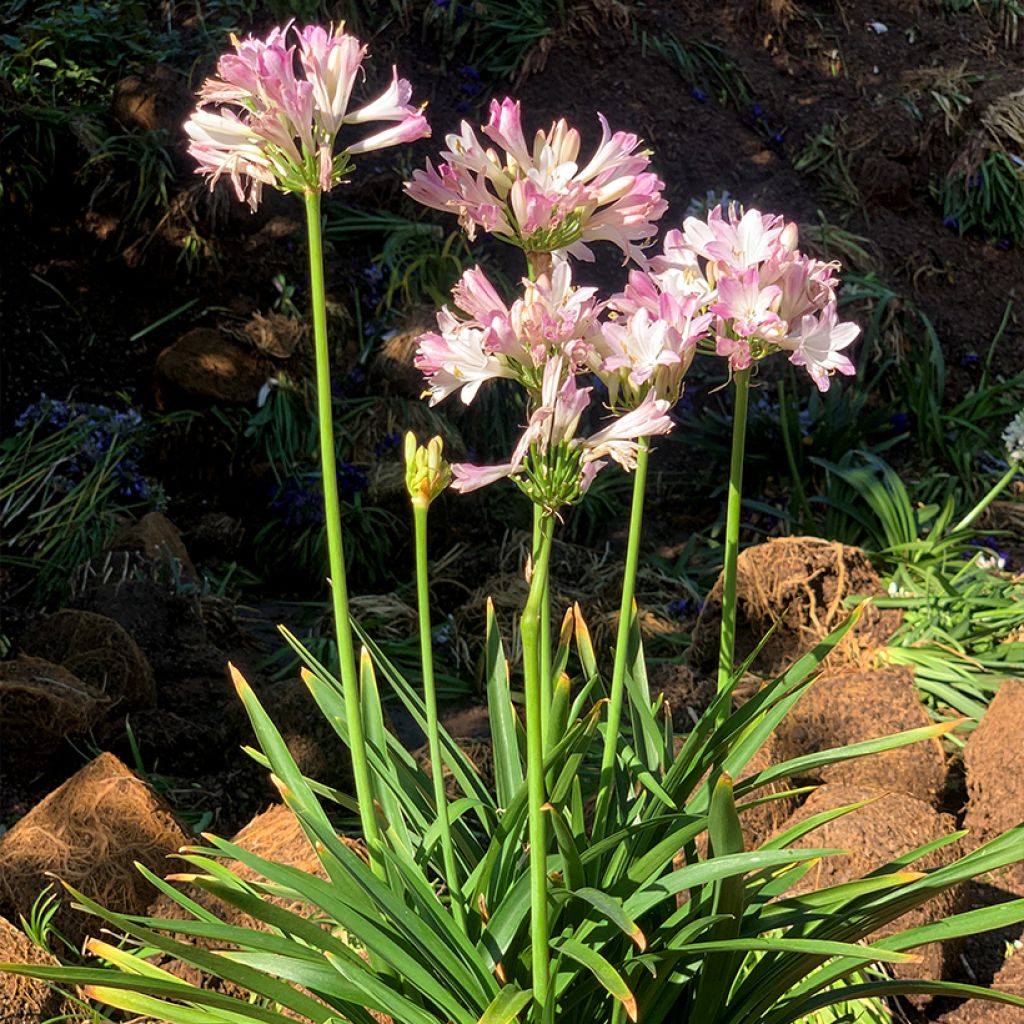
<point>485,338</point>
<point>1013,439</point>
<point>539,197</point>
<point>551,464</point>
<point>273,113</point>
<point>765,296</point>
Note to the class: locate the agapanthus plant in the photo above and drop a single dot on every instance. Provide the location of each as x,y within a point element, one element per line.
<point>540,198</point>
<point>528,901</point>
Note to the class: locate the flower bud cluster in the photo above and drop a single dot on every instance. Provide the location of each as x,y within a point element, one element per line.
<point>426,472</point>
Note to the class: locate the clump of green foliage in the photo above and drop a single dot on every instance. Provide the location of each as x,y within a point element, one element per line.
<point>67,474</point>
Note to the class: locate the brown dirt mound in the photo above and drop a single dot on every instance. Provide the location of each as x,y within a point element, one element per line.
<point>204,364</point>
<point>40,704</point>
<point>979,1011</point>
<point>97,650</point>
<point>849,706</point>
<point>894,824</point>
<point>89,832</point>
<point>994,758</point>
<point>25,1000</point>
<point>803,582</point>
<point>160,541</point>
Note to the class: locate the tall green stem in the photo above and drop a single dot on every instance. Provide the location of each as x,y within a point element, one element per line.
<point>732,529</point>
<point>546,686</point>
<point>335,549</point>
<point>611,736</point>
<point>532,675</point>
<point>994,493</point>
<point>451,877</point>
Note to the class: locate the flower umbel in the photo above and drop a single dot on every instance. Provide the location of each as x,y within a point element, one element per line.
<point>1013,438</point>
<point>273,113</point>
<point>492,339</point>
<point>539,198</point>
<point>761,293</point>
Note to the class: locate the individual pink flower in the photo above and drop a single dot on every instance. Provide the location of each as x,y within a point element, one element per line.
<point>262,122</point>
<point>457,358</point>
<point>819,344</point>
<point>738,242</point>
<point>749,308</point>
<point>678,271</point>
<point>619,439</point>
<point>538,197</point>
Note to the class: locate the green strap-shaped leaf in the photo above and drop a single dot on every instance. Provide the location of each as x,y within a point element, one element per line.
<point>506,1005</point>
<point>799,1009</point>
<point>572,866</point>
<point>602,970</point>
<point>384,781</point>
<point>112,987</point>
<point>557,718</point>
<point>508,765</point>
<point>611,909</point>
<point>727,898</point>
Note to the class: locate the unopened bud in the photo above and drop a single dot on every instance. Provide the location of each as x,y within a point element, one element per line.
<point>427,473</point>
<point>790,237</point>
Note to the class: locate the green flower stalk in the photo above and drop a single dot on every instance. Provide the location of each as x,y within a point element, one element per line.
<point>727,643</point>
<point>1013,442</point>
<point>426,476</point>
<point>530,628</point>
<point>546,685</point>
<point>335,548</point>
<point>626,612</point>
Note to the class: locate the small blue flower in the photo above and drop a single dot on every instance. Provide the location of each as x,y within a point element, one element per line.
<point>899,421</point>
<point>388,444</point>
<point>699,95</point>
<point>682,607</point>
<point>951,222</point>
<point>970,359</point>
<point>1003,243</point>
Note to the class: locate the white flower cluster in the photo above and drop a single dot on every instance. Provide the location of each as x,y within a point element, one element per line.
<point>1013,438</point>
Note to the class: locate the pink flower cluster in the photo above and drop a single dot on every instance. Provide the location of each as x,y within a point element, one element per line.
<point>540,198</point>
<point>734,285</point>
<point>764,295</point>
<point>272,114</point>
<point>493,339</point>
<point>545,340</point>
